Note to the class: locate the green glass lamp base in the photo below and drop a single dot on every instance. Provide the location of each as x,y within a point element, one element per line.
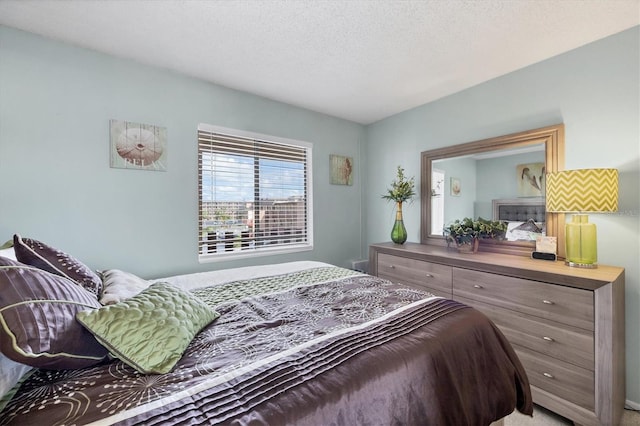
<point>581,243</point>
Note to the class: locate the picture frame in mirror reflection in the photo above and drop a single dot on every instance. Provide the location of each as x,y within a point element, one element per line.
<point>530,178</point>
<point>456,187</point>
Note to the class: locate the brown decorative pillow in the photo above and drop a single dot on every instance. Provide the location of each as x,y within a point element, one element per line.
<point>38,324</point>
<point>40,255</point>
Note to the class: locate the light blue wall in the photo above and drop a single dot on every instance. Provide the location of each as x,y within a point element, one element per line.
<point>56,101</point>
<point>593,90</point>
<point>497,178</point>
<point>457,207</point>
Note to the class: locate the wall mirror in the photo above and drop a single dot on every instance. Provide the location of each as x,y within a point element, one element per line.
<point>471,179</point>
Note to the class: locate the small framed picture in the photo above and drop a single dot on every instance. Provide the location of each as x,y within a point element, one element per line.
<point>456,187</point>
<point>530,178</point>
<point>341,170</point>
<point>138,146</point>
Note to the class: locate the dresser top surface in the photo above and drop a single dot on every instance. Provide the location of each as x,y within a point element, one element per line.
<point>508,264</point>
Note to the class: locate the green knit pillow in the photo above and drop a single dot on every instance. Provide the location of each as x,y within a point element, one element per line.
<point>151,330</point>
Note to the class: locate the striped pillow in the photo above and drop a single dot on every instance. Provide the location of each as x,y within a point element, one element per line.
<point>37,319</point>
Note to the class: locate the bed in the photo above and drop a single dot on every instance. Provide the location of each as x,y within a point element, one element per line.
<point>525,217</point>
<point>303,343</point>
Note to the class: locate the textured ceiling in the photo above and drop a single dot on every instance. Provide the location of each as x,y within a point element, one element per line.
<point>354,59</point>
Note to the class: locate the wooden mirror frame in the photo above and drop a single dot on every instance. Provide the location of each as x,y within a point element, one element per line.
<point>553,139</point>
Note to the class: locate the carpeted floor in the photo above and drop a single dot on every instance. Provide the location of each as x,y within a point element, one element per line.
<point>542,417</point>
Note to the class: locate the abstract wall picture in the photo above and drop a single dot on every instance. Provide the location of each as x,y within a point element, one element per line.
<point>138,146</point>
<point>531,179</point>
<point>341,170</point>
<point>456,187</point>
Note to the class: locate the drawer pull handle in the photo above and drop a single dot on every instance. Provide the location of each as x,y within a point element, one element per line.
<point>477,286</point>
<point>429,275</point>
<point>548,302</point>
<point>548,339</point>
<point>548,375</point>
<point>392,266</point>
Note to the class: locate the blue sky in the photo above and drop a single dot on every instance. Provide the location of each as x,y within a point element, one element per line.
<point>233,176</point>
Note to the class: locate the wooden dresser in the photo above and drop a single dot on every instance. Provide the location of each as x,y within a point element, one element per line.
<point>566,324</point>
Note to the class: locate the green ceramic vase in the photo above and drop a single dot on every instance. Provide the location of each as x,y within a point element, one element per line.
<point>399,232</point>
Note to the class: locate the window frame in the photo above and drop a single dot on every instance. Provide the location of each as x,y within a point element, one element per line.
<point>264,250</point>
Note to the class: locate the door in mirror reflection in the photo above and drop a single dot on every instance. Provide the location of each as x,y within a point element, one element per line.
<point>437,200</point>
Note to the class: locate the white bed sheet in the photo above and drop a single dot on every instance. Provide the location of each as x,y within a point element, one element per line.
<point>209,278</point>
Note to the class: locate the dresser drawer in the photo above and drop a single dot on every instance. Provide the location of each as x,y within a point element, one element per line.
<point>567,381</point>
<point>567,305</point>
<point>416,273</point>
<point>570,344</point>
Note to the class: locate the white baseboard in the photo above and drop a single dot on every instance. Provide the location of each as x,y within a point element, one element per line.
<point>632,405</point>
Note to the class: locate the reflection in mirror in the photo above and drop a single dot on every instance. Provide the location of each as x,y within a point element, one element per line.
<point>480,178</point>
<point>463,181</point>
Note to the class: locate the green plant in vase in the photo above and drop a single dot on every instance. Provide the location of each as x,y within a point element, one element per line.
<point>401,190</point>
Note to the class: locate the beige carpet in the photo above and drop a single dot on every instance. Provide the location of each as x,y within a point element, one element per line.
<point>542,417</point>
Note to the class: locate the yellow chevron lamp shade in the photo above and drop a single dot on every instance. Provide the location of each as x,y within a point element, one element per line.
<point>586,190</point>
<point>580,191</point>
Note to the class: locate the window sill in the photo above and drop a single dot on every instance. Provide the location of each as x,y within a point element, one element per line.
<point>248,254</point>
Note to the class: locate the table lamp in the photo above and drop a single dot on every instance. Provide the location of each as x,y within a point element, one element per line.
<point>581,191</point>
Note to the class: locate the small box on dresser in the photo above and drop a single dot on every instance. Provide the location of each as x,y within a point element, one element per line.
<point>566,324</point>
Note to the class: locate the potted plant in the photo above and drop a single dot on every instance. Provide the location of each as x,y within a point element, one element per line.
<point>494,229</point>
<point>465,233</point>
<point>401,190</point>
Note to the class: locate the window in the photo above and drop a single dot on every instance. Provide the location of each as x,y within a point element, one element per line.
<point>254,194</point>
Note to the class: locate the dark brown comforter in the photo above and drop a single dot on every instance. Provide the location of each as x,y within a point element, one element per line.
<point>351,351</point>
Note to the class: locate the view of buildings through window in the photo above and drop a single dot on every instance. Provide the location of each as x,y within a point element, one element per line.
<point>253,194</point>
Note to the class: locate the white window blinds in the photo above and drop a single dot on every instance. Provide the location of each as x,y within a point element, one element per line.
<point>254,193</point>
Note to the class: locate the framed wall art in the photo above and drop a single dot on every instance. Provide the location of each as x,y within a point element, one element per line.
<point>138,146</point>
<point>341,170</point>
<point>530,179</point>
<point>456,187</point>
